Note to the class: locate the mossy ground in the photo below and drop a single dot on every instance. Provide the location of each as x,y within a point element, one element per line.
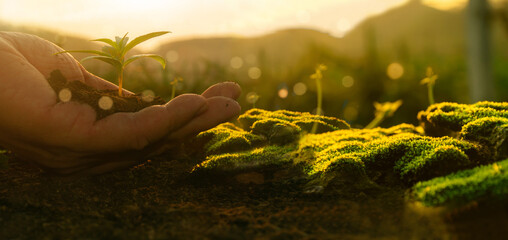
<point>268,178</point>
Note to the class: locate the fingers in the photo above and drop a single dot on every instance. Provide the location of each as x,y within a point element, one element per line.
<point>225,89</point>
<point>220,109</point>
<point>122,131</point>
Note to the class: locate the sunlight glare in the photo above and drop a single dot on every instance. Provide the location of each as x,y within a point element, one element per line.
<point>348,81</point>
<point>300,88</point>
<point>236,62</point>
<point>147,95</point>
<point>395,70</point>
<point>105,103</point>
<point>65,95</point>
<point>283,93</point>
<point>254,73</point>
<point>303,17</point>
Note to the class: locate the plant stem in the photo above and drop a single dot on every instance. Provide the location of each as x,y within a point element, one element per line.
<point>173,91</point>
<point>319,97</point>
<point>120,81</point>
<point>319,103</point>
<point>430,87</point>
<point>376,121</point>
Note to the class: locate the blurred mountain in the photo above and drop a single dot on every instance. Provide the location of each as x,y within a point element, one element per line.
<point>413,29</point>
<point>277,51</point>
<point>65,41</point>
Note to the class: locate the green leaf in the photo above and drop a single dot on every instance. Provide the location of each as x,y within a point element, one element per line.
<point>124,41</point>
<point>158,58</point>
<point>108,59</point>
<point>109,50</point>
<point>106,40</point>
<point>86,51</point>
<point>143,38</point>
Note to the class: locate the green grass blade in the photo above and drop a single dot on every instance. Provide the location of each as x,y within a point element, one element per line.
<point>123,42</point>
<point>115,63</point>
<point>105,40</point>
<point>156,57</point>
<point>86,51</point>
<point>143,38</point>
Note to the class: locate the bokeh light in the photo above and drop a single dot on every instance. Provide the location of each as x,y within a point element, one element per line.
<point>283,93</point>
<point>300,88</point>
<point>254,72</point>
<point>236,62</point>
<point>172,56</point>
<point>348,81</point>
<point>350,113</point>
<point>105,103</point>
<point>65,95</point>
<point>395,70</point>
<point>147,95</point>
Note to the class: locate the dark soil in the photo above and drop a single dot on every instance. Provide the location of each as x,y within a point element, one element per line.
<point>158,201</point>
<point>85,94</point>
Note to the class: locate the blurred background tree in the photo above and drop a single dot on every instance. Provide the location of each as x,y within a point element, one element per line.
<point>479,58</point>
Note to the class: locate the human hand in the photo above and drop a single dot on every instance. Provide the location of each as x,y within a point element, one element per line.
<point>65,138</point>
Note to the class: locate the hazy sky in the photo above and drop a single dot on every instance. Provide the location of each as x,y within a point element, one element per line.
<point>190,18</point>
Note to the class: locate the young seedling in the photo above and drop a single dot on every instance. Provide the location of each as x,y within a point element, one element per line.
<point>114,53</point>
<point>252,97</point>
<point>430,80</point>
<point>173,86</point>
<point>383,111</point>
<point>318,76</point>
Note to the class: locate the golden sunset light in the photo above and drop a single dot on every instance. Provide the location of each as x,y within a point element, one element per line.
<point>253,119</point>
<point>93,18</point>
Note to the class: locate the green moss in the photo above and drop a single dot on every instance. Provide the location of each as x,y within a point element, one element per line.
<point>276,130</point>
<point>349,154</point>
<point>303,120</point>
<point>491,132</point>
<point>487,182</point>
<point>349,160</point>
<point>227,138</point>
<point>247,160</point>
<point>442,118</point>
<point>399,150</point>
